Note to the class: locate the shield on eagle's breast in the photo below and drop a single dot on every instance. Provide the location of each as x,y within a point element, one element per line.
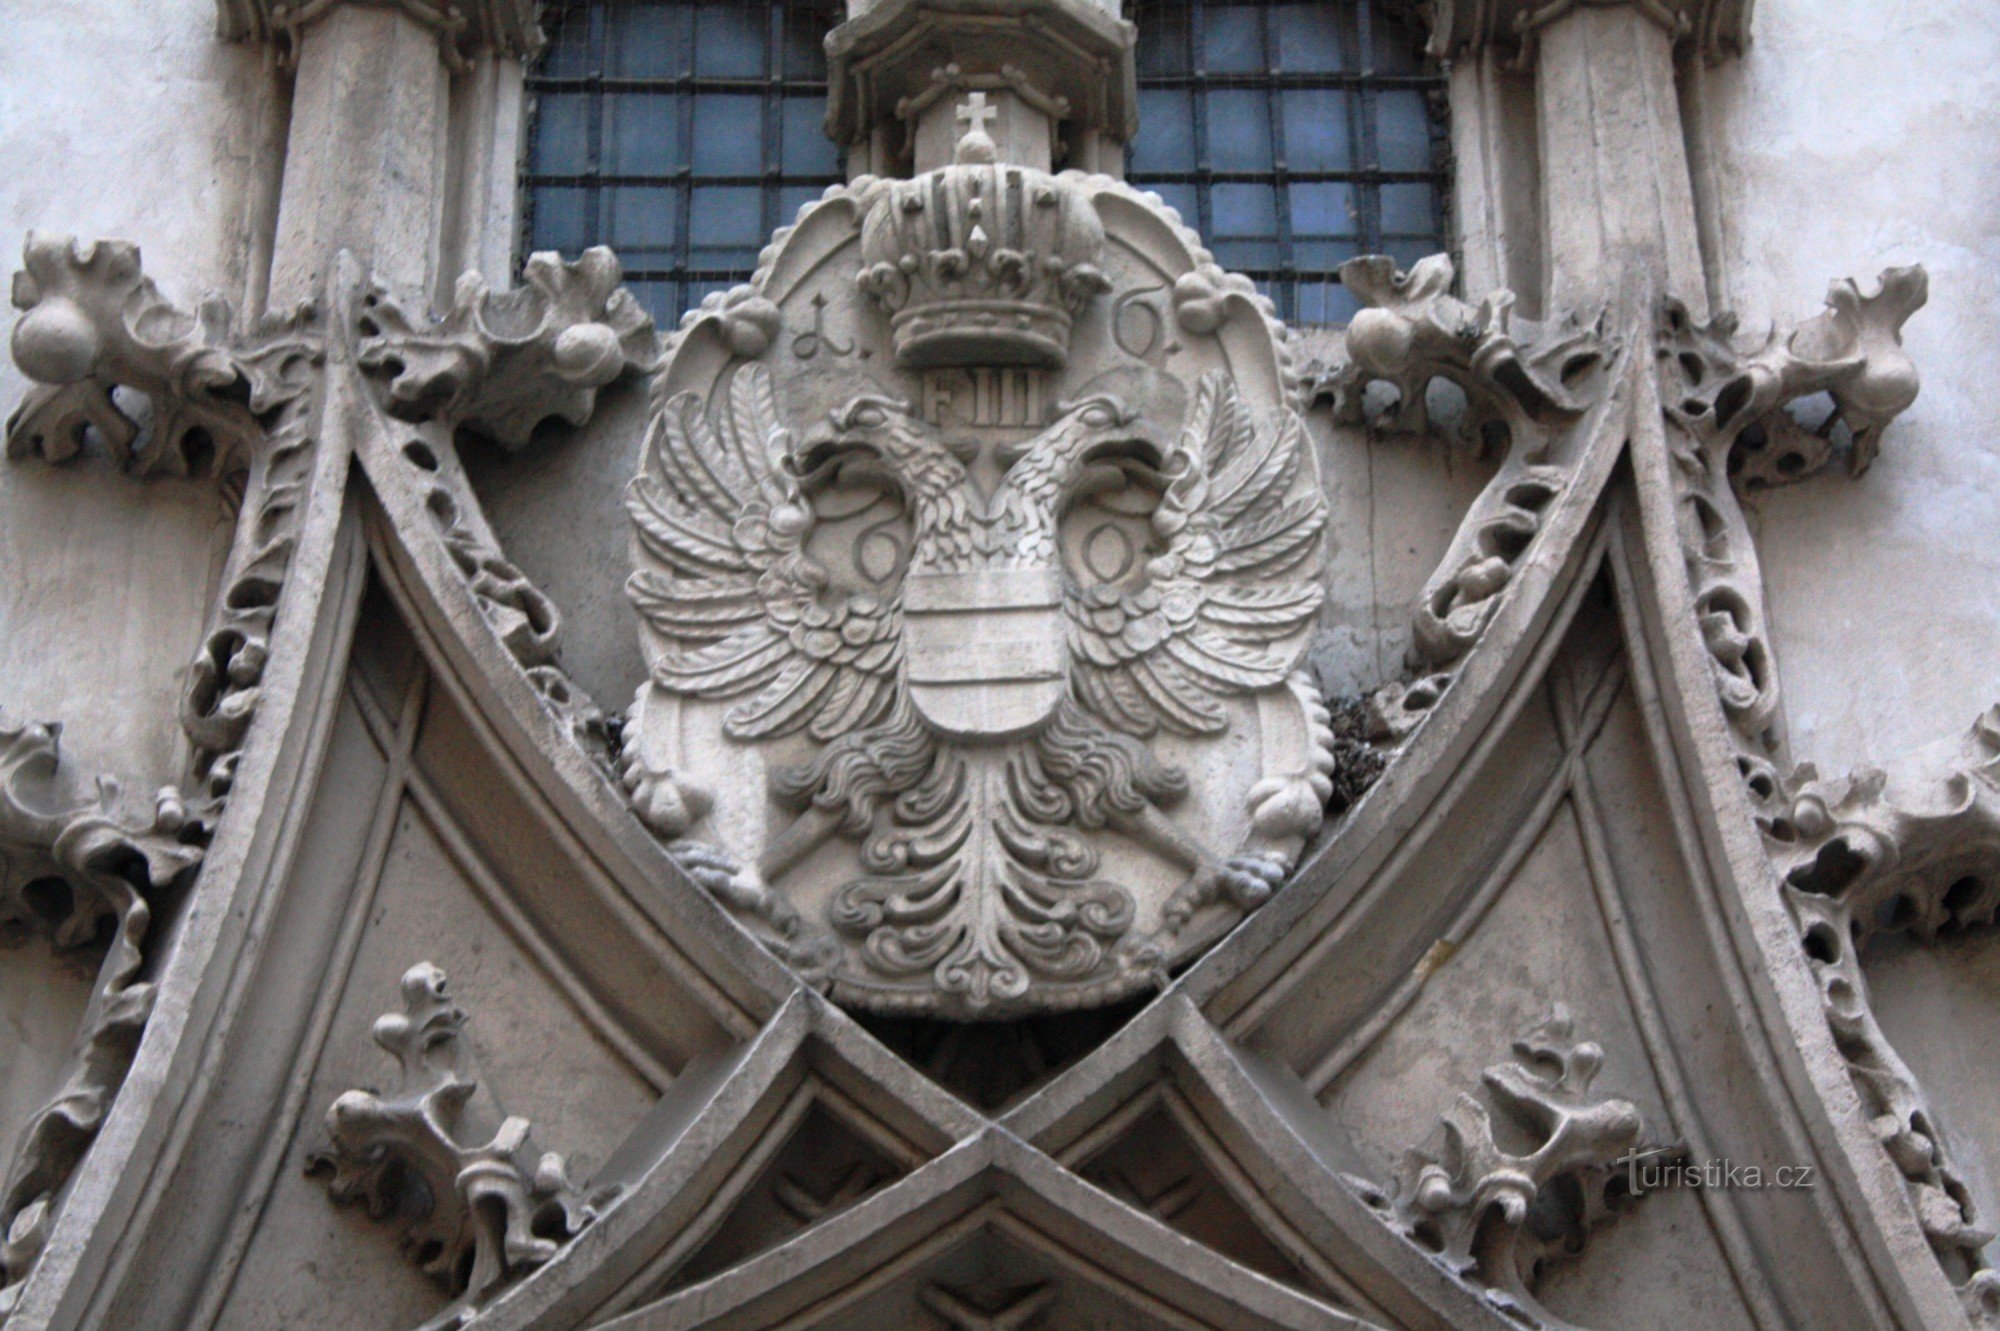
<point>985,655</point>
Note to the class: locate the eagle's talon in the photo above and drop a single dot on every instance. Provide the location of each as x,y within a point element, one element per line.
<point>1250,879</point>
<point>665,802</point>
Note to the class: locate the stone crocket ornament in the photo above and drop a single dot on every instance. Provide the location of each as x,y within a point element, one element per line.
<point>978,542</point>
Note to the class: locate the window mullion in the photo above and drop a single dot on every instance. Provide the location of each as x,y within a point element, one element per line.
<point>1361,122</point>
<point>684,106</point>
<point>774,120</point>
<point>1197,33</point>
<point>1283,291</point>
<point>593,161</point>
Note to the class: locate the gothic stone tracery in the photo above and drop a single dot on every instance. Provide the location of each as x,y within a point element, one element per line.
<point>979,545</point>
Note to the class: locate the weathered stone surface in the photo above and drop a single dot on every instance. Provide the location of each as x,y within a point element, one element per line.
<point>1027,623</point>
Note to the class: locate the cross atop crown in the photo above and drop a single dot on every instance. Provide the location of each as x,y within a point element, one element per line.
<point>976,112</point>
<point>976,145</point>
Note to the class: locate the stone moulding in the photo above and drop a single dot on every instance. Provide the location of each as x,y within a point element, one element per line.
<point>1872,853</point>
<point>244,405</point>
<point>112,865</point>
<point>241,404</point>
<point>1913,849</point>
<point>474,1203</point>
<point>225,399</point>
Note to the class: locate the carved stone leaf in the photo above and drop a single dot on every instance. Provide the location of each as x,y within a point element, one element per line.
<point>94,323</point>
<point>110,862</point>
<point>1466,1197</point>
<point>501,363</point>
<point>486,1207</point>
<point>1733,395</point>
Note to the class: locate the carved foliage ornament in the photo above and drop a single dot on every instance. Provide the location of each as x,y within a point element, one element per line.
<point>1524,382</point>
<point>1913,849</point>
<point>476,1204</point>
<point>76,872</point>
<point>1519,1178</point>
<point>976,564</point>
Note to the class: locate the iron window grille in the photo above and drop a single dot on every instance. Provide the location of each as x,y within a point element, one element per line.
<point>681,134</point>
<point>1291,135</point>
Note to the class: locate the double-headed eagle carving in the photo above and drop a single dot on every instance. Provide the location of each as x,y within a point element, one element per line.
<point>981,714</point>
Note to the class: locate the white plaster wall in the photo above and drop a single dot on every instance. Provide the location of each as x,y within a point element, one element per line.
<point>1858,134</point>
<point>126,119</point>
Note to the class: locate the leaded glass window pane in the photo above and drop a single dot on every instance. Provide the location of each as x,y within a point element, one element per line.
<point>1293,136</point>
<point>681,133</point>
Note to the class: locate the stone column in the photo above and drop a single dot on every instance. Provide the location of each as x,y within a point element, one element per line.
<point>365,162</point>
<point>368,160</point>
<point>1496,184</point>
<point>1613,198</point>
<point>1617,200</point>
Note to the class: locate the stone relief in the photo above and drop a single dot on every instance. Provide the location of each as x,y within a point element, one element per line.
<point>977,541</point>
<point>1014,634</point>
<point>475,1204</point>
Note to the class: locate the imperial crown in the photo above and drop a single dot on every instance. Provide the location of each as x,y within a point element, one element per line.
<point>979,263</point>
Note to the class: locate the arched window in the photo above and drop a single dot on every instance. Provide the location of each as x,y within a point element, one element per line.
<point>681,134</point>
<point>1293,137</point>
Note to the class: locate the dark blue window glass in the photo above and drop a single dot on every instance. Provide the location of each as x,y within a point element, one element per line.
<point>1294,136</point>
<point>679,132</point>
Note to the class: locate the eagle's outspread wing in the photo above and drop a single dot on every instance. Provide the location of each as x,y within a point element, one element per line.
<point>719,509</point>
<point>1224,602</point>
